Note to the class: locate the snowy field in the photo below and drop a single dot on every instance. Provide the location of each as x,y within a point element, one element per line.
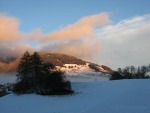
<point>82,77</point>
<point>8,78</point>
<point>121,96</point>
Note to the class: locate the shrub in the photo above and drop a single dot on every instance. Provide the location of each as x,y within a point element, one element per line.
<point>116,76</point>
<point>56,84</point>
<point>22,87</point>
<point>3,92</point>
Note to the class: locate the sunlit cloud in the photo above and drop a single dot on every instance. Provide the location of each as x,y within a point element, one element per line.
<point>11,39</point>
<point>86,49</point>
<point>9,29</point>
<point>93,38</point>
<point>35,35</point>
<point>13,50</point>
<point>82,28</point>
<point>77,39</point>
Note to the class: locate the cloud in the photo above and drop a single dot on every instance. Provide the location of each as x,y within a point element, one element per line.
<point>126,42</point>
<point>35,35</point>
<point>77,39</point>
<point>9,29</point>
<point>82,28</point>
<point>11,39</point>
<point>14,50</point>
<point>115,45</point>
<point>82,49</point>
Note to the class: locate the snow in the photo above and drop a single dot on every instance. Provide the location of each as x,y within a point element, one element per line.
<point>7,78</point>
<point>74,72</point>
<point>80,73</point>
<point>120,96</point>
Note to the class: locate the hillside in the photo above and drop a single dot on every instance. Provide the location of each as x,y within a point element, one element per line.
<point>59,60</point>
<point>120,96</point>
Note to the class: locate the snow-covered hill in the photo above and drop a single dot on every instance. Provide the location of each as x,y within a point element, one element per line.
<point>57,59</point>
<point>76,69</point>
<point>74,73</point>
<point>122,96</point>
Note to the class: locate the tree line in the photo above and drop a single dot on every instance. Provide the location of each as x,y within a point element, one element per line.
<point>36,76</point>
<point>131,72</point>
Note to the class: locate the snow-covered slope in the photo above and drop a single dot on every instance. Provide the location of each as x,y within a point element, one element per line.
<point>80,73</point>
<point>122,96</point>
<point>76,69</point>
<point>74,73</point>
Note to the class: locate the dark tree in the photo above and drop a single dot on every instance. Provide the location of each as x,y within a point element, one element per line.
<point>24,74</point>
<point>119,70</point>
<point>49,65</point>
<point>131,72</point>
<point>34,76</point>
<point>22,87</point>
<point>24,67</point>
<point>37,70</point>
<point>116,76</point>
<point>143,71</point>
<point>56,84</point>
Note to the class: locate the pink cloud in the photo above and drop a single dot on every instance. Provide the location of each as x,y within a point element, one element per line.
<point>82,28</point>
<point>9,29</point>
<point>77,39</point>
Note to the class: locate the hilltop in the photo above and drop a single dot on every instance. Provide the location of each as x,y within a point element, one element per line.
<point>59,59</point>
<point>71,65</point>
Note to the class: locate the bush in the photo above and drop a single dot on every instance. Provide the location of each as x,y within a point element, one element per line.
<point>22,87</point>
<point>56,84</point>
<point>3,92</point>
<point>116,76</point>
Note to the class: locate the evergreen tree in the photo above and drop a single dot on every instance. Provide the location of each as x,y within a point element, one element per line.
<point>143,71</point>
<point>119,70</point>
<point>34,76</point>
<point>131,72</point>
<point>37,70</point>
<point>24,74</point>
<point>138,73</point>
<point>116,76</point>
<point>24,67</point>
<point>56,84</point>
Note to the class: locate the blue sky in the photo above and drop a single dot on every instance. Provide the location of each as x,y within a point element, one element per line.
<point>49,15</point>
<point>109,32</point>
